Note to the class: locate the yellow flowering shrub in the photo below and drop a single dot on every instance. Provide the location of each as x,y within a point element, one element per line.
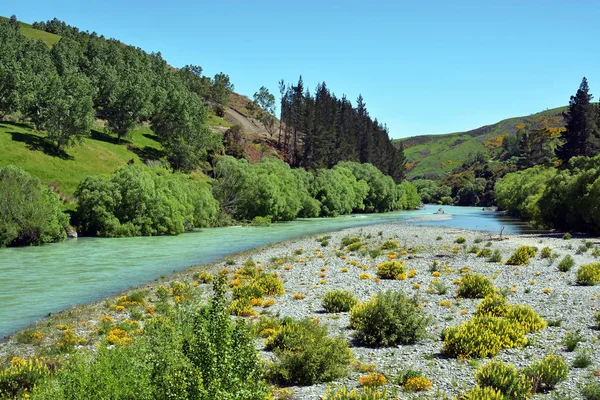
<point>365,393</point>
<point>391,269</point>
<point>475,286</point>
<point>372,380</point>
<point>589,274</point>
<point>482,336</point>
<point>417,384</point>
<point>483,393</point>
<point>21,376</point>
<point>118,336</point>
<point>522,255</point>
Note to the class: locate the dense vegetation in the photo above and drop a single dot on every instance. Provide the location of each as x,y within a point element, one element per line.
<point>29,212</point>
<point>65,87</point>
<point>563,197</point>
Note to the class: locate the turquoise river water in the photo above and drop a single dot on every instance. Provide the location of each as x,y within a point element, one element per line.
<point>35,281</point>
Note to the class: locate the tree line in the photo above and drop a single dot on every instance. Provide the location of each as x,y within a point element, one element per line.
<point>562,190</point>
<point>320,130</point>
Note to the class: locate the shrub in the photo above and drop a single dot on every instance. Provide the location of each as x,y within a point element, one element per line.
<point>21,376</point>
<point>372,380</point>
<point>204,277</point>
<point>505,378</point>
<point>307,354</point>
<point>589,274</point>
<point>597,318</point>
<point>390,269</point>
<point>473,250</point>
<point>338,301</point>
<point>522,255</point>
<point>582,360</point>
<point>366,393</point>
<point>528,319</point>
<point>566,263</point>
<point>473,286</point>
<point>270,284</point>
<point>485,252</point>
<point>265,326</point>
<point>547,373</point>
<point>483,393</point>
<point>494,305</point>
<point>546,252</point>
<point>348,240</point>
<point>417,384</point>
<point>389,245</point>
<point>591,391</point>
<point>572,340</point>
<point>567,236</point>
<point>405,375</point>
<point>460,240</point>
<point>30,214</point>
<point>495,257</point>
<point>354,246</point>
<point>482,336</point>
<point>261,221</point>
<point>388,319</point>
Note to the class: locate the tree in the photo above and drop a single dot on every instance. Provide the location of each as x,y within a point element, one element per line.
<point>180,124</point>
<point>67,112</point>
<point>219,93</point>
<point>266,101</point>
<point>30,214</point>
<point>581,138</point>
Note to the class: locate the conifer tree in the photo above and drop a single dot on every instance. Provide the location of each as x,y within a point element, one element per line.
<point>581,137</point>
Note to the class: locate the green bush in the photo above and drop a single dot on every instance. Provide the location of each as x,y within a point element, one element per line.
<point>354,246</point>
<point>348,240</point>
<point>485,393</point>
<point>198,353</point>
<point>505,378</point>
<point>261,221</point>
<point>390,269</point>
<point>460,240</point>
<point>389,245</point>
<point>388,319</point>
<point>306,354</point>
<point>589,274</point>
<point>597,317</point>
<point>546,252</point>
<point>567,236</point>
<point>485,252</point>
<point>338,301</point>
<point>473,286</point>
<point>566,263</point>
<point>591,391</point>
<point>572,340</point>
<point>138,201</point>
<point>495,257</point>
<point>522,255</point>
<point>30,214</point>
<point>547,373</point>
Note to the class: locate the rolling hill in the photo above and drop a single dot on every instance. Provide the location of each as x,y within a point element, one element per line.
<point>434,156</point>
<point>101,153</point>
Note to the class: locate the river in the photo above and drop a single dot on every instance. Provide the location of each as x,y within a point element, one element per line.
<point>35,281</point>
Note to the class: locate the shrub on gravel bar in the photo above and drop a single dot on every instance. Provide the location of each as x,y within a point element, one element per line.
<point>522,255</point>
<point>390,269</point>
<point>589,274</point>
<point>388,319</point>
<point>473,286</point>
<point>338,301</point>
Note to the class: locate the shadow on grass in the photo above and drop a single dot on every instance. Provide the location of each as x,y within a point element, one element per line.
<point>105,137</point>
<point>38,143</point>
<point>21,125</point>
<point>147,153</point>
<point>151,136</point>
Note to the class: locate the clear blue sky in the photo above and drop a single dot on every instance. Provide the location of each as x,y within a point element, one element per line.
<point>422,67</point>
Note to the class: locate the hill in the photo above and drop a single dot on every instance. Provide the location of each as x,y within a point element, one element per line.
<point>101,153</point>
<point>28,31</point>
<point>435,156</point>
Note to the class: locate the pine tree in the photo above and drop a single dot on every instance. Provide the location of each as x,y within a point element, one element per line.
<point>581,137</point>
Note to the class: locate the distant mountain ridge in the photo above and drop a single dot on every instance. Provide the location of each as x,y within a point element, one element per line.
<point>434,156</point>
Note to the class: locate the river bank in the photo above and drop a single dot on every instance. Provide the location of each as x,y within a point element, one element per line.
<point>309,268</point>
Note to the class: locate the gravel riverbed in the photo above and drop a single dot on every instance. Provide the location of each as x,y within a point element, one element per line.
<point>314,269</point>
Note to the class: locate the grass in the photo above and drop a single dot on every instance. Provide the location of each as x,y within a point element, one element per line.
<point>22,146</point>
<point>441,154</point>
<point>214,120</point>
<point>28,31</point>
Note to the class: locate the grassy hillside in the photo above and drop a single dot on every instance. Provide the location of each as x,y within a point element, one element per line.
<point>20,145</point>
<point>28,31</point>
<point>438,155</point>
